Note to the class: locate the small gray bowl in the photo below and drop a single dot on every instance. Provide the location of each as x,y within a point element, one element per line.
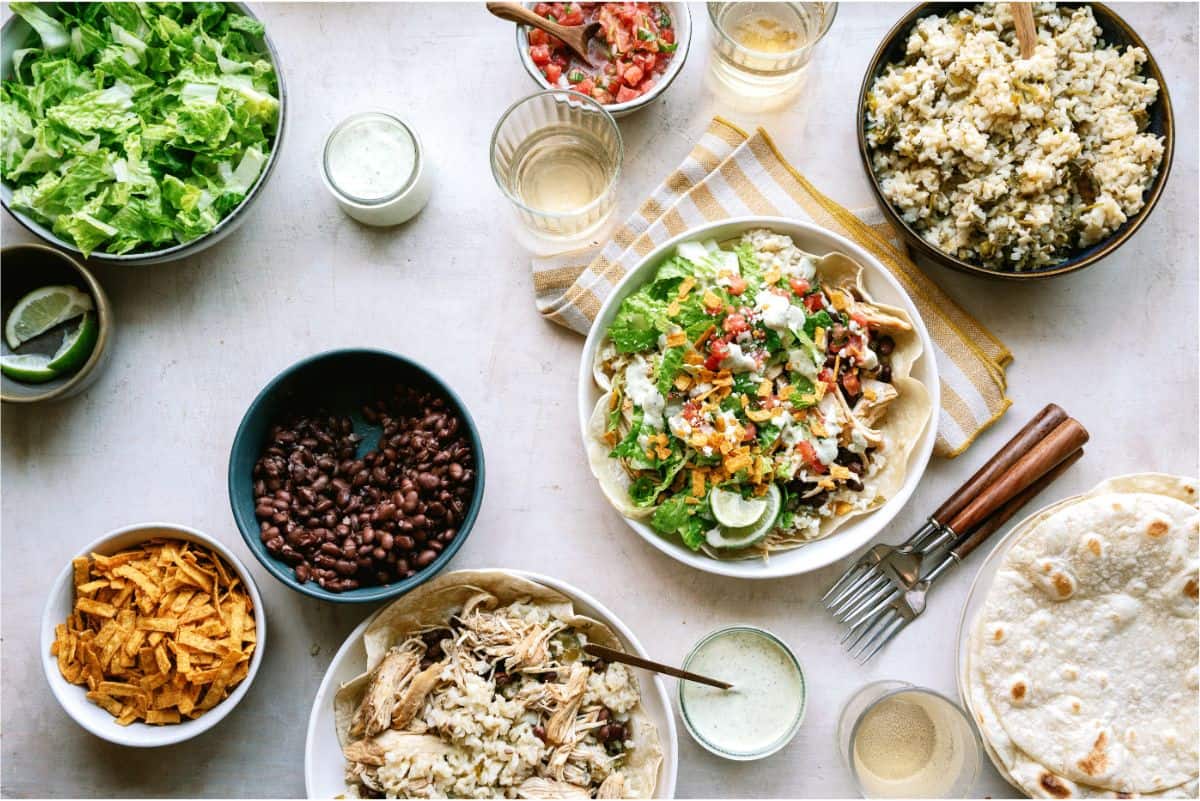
<point>27,267</point>
<point>15,34</point>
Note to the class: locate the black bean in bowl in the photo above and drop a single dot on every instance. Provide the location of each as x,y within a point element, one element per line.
<point>356,475</point>
<point>346,521</point>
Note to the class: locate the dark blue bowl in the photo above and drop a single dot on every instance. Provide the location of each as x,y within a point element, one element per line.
<point>339,381</point>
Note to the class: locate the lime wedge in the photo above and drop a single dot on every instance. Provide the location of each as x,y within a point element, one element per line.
<point>41,310</point>
<point>30,368</point>
<point>76,346</point>
<point>734,511</point>
<point>743,536</point>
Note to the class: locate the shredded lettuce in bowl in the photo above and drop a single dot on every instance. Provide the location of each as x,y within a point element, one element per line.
<point>135,126</point>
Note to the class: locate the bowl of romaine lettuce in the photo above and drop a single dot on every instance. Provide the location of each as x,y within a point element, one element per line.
<point>136,133</point>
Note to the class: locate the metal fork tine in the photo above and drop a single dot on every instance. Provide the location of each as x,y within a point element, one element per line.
<point>867,562</point>
<point>849,578</point>
<point>874,581</point>
<point>869,574</point>
<point>876,629</point>
<point>866,634</point>
<point>894,629</point>
<point>870,595</point>
<point>860,618</point>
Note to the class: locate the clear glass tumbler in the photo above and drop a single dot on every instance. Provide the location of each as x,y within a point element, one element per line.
<point>556,156</point>
<point>760,50</point>
<point>922,746</point>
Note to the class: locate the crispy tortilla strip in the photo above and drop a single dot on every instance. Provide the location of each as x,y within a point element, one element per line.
<point>119,689</point>
<point>165,624</point>
<point>140,579</point>
<point>157,716</point>
<point>198,642</point>
<point>196,613</point>
<point>82,568</point>
<point>109,704</point>
<point>91,586</point>
<point>95,608</point>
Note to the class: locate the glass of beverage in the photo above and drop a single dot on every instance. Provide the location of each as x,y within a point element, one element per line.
<point>556,156</point>
<point>903,741</point>
<point>760,50</point>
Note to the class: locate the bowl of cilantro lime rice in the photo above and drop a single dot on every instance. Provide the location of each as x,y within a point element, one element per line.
<point>757,397</point>
<point>136,133</point>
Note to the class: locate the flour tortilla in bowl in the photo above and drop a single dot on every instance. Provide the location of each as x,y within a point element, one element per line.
<point>874,430</point>
<point>397,721</point>
<point>1081,666</point>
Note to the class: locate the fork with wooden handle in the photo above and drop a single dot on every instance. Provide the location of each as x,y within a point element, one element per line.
<point>873,575</point>
<point>971,526</point>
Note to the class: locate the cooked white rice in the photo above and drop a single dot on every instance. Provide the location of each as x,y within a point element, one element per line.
<point>1006,162</point>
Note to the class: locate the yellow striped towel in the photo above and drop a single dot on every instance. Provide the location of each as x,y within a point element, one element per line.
<point>732,173</point>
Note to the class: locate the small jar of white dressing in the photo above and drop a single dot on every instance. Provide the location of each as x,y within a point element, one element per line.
<point>376,168</point>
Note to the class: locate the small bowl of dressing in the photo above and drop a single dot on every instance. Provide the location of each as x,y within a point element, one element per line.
<point>376,168</point>
<point>763,710</point>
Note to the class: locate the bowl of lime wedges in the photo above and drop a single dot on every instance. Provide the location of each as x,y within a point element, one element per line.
<point>55,325</point>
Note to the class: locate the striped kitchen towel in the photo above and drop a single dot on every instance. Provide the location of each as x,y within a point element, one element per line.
<point>732,173</point>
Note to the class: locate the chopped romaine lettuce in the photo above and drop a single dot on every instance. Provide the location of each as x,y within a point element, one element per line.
<point>134,126</point>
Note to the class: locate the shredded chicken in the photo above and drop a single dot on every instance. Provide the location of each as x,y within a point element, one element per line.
<point>562,723</point>
<point>375,713</point>
<point>414,696</point>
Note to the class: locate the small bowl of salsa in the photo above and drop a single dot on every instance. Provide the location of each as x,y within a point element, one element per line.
<point>637,53</point>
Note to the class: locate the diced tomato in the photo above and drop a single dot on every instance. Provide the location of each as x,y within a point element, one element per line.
<point>634,75</point>
<point>602,97</point>
<point>585,86</point>
<point>809,454</point>
<point>814,302</point>
<point>538,37</point>
<point>553,72</point>
<point>718,350</point>
<point>799,286</point>
<point>859,318</point>
<point>736,324</point>
<point>737,285</point>
<point>646,86</point>
<point>826,377</point>
<point>667,35</point>
<point>625,94</point>
<point>541,9</point>
<point>751,432</point>
<point>851,384</point>
<point>558,58</point>
<point>572,17</point>
<point>540,54</point>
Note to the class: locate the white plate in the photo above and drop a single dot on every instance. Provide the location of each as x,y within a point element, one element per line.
<point>324,767</point>
<point>884,288</point>
<point>74,697</point>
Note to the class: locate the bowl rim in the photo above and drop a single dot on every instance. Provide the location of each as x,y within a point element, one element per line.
<point>606,616</point>
<point>620,109</point>
<point>104,319</point>
<point>180,249</point>
<point>139,734</point>
<point>375,593</point>
<point>918,458</point>
<point>1070,265</point>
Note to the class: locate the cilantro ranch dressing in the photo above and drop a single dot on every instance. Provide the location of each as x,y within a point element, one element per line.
<point>375,168</point>
<point>765,707</point>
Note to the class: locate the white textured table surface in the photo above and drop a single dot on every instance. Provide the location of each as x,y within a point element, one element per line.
<point>196,340</point>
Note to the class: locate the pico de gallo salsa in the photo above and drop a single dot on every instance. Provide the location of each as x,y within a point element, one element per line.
<point>632,49</point>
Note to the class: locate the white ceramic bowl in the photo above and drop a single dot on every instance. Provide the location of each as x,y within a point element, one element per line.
<point>324,767</point>
<point>681,16</point>
<point>883,288</point>
<point>73,697</point>
<point>16,33</point>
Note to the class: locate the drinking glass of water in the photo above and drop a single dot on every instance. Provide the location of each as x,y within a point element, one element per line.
<point>556,156</point>
<point>760,50</point>
<point>903,741</point>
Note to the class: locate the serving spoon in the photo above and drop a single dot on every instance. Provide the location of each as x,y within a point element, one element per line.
<point>575,37</point>
<point>1026,28</point>
<point>656,667</point>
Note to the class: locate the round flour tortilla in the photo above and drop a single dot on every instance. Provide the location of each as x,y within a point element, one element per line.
<point>1082,667</point>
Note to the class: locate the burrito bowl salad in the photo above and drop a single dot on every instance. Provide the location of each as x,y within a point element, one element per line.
<point>746,392</point>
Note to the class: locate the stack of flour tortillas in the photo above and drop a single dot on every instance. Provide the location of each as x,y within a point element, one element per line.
<point>1081,663</point>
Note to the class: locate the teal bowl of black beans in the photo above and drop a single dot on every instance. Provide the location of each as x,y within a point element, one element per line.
<point>356,475</point>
